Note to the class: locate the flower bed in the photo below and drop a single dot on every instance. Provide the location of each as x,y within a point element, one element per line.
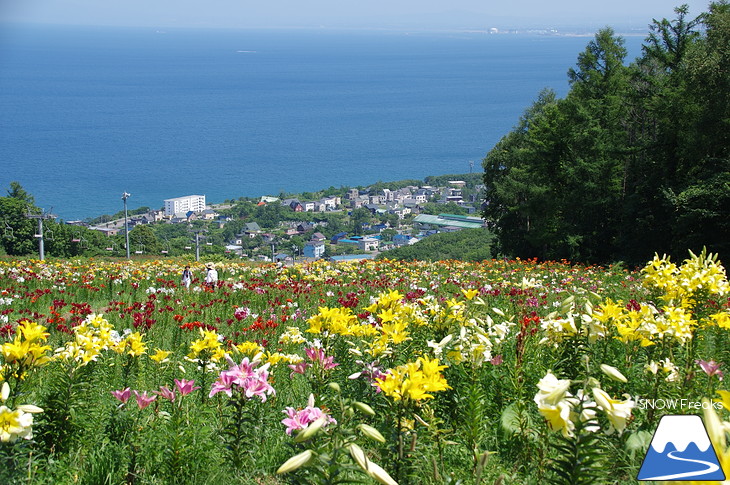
<point>377,371</point>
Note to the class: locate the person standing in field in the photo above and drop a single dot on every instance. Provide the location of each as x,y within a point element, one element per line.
<point>211,275</point>
<point>187,277</point>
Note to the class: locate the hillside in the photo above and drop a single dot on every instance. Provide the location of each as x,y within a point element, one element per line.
<point>465,245</point>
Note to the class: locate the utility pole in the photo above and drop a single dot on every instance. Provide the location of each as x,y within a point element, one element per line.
<point>126,196</point>
<point>43,215</point>
<point>197,232</point>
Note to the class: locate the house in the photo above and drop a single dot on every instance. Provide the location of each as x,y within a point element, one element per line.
<point>338,237</point>
<point>404,240</point>
<point>363,243</point>
<point>251,229</point>
<point>180,218</point>
<point>155,215</point>
<point>135,220</point>
<point>331,202</point>
<point>314,249</point>
<point>265,199</point>
<point>105,230</point>
<point>368,244</point>
<point>303,227</point>
<point>400,195</point>
<point>421,197</point>
<point>386,246</point>
<point>283,257</point>
<point>308,206</point>
<point>401,212</point>
<point>318,237</point>
<point>234,248</point>
<point>353,194</point>
<point>293,204</point>
<point>208,214</point>
<point>371,207</point>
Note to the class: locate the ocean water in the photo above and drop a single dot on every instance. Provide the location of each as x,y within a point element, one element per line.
<point>89,113</point>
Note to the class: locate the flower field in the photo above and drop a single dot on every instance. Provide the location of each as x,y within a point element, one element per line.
<point>501,372</point>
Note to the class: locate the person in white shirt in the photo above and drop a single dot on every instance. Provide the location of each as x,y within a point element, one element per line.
<point>211,275</point>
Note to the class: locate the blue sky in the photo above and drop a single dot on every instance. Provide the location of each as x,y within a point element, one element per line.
<point>426,14</point>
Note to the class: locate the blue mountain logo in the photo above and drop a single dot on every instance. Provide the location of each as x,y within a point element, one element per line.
<point>681,450</point>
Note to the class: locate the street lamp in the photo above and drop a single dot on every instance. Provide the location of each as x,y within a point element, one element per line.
<point>126,196</point>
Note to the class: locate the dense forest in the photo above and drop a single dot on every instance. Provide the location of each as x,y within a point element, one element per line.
<point>634,160</point>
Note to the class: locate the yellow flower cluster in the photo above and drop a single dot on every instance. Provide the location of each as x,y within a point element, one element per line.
<point>249,348</point>
<point>414,381</point>
<point>95,335</point>
<point>209,345</point>
<point>682,289</point>
<point>292,336</point>
<point>131,344</point>
<point>160,356</point>
<point>680,285</point>
<point>275,358</point>
<point>338,321</point>
<point>25,351</point>
<point>389,322</point>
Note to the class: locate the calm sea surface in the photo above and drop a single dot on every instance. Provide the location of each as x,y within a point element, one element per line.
<point>88,113</point>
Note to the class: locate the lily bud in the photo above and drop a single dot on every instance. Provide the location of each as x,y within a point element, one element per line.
<point>296,461</point>
<point>371,433</point>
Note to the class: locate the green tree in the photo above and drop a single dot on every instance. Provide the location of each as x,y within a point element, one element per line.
<point>16,191</point>
<point>17,229</point>
<point>143,238</point>
<point>357,219</point>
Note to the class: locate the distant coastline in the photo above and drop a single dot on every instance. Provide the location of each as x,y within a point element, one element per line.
<point>96,112</point>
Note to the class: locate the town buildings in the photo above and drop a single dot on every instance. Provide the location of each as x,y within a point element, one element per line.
<point>188,203</point>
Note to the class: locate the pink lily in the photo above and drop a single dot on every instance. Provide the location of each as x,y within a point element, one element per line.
<point>166,393</point>
<point>185,387</point>
<point>298,368</point>
<point>143,400</point>
<point>258,387</point>
<point>223,384</point>
<point>711,368</point>
<point>123,395</point>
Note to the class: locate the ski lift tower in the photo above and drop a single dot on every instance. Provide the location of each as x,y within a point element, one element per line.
<point>126,196</point>
<point>197,231</point>
<point>43,215</point>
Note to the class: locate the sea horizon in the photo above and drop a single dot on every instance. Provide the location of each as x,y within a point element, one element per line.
<point>89,113</point>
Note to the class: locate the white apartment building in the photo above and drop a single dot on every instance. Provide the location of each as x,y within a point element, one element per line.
<point>195,203</point>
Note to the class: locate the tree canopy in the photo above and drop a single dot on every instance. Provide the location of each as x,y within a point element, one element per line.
<point>634,160</point>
